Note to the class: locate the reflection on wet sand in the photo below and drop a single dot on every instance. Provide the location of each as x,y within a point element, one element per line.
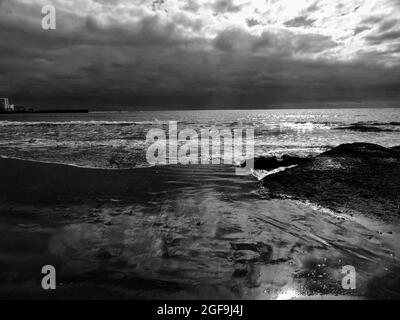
<point>209,234</point>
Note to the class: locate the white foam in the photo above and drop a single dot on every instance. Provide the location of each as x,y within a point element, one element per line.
<point>260,174</point>
<point>73,165</point>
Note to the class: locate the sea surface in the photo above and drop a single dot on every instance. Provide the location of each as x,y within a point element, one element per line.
<point>183,232</point>
<point>118,139</point>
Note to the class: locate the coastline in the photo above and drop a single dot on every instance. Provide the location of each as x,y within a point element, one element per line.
<point>152,233</point>
<point>347,175</point>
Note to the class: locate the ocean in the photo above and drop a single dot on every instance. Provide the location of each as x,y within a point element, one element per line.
<point>118,139</point>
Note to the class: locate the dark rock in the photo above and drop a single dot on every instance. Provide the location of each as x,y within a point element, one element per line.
<point>271,163</point>
<point>361,150</point>
<point>265,163</point>
<point>363,128</point>
<point>358,177</point>
<point>288,161</point>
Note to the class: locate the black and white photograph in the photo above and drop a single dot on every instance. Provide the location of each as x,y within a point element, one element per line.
<point>200,150</point>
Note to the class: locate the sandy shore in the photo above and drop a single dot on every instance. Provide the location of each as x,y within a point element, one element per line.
<point>180,232</point>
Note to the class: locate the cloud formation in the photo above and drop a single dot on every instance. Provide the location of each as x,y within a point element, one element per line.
<point>199,54</point>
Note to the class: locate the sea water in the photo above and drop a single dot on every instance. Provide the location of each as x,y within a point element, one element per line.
<point>118,139</point>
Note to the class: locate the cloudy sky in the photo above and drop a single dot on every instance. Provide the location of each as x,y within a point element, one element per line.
<point>139,54</point>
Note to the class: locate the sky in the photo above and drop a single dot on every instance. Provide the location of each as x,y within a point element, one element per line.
<point>192,54</point>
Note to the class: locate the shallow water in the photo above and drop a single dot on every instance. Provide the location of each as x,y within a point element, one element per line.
<point>209,234</point>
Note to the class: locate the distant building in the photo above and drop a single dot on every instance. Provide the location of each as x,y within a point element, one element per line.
<point>4,105</point>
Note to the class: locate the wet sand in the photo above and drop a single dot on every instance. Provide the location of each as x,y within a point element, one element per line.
<point>180,233</point>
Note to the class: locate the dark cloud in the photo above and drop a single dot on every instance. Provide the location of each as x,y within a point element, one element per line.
<point>384,37</point>
<point>154,59</point>
<point>372,20</point>
<point>223,6</point>
<point>384,29</point>
<point>368,24</point>
<point>301,21</point>
<point>388,24</point>
<point>284,43</point>
<point>252,22</point>
<point>313,8</point>
<point>88,30</point>
<point>361,29</point>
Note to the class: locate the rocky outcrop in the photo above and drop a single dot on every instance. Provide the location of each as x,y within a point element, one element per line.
<point>271,163</point>
<point>358,177</point>
<point>363,128</point>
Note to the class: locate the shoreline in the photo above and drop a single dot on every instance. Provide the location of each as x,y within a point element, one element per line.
<point>181,231</point>
<point>290,177</point>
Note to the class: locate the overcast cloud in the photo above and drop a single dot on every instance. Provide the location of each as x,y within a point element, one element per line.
<point>137,54</point>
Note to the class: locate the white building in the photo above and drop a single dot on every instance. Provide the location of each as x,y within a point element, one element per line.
<point>5,105</point>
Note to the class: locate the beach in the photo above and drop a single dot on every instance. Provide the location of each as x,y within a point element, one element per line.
<point>174,232</point>
<point>200,150</point>
<point>76,193</point>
